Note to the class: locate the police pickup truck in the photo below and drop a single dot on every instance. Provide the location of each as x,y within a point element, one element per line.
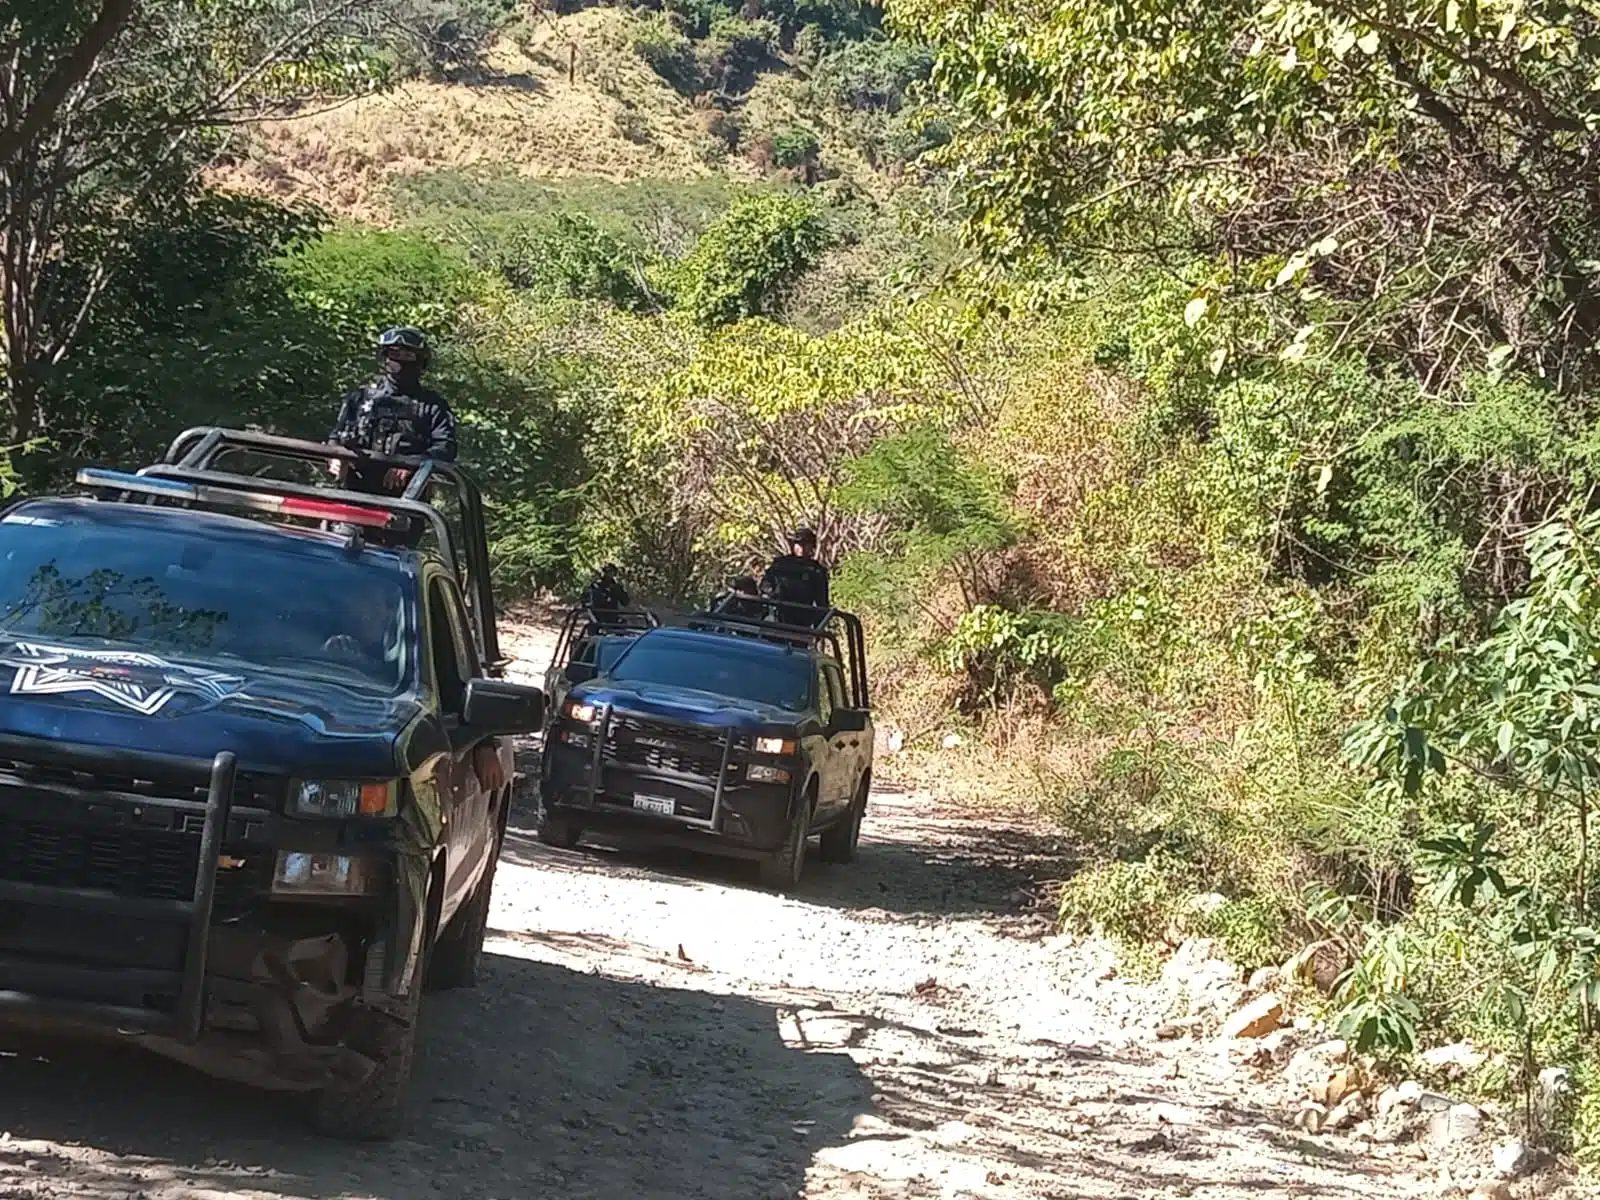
<point>255,764</point>
<point>738,736</point>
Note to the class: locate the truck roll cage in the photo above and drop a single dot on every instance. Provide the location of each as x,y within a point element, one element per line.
<point>823,629</point>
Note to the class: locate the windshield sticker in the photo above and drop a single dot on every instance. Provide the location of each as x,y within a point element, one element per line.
<point>141,682</point>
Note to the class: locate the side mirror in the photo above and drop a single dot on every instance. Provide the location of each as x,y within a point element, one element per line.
<point>579,673</point>
<point>494,707</point>
<point>850,720</point>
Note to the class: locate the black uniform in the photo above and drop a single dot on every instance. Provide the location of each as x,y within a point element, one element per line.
<point>605,595</point>
<point>797,583</point>
<point>391,419</point>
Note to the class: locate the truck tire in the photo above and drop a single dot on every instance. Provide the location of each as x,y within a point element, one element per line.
<point>456,957</point>
<point>375,1108</point>
<point>838,845</point>
<point>559,831</point>
<point>781,872</point>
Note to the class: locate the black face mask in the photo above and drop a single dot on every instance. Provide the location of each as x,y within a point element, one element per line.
<point>406,375</point>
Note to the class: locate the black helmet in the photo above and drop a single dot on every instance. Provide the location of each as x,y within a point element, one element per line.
<point>804,536</point>
<point>405,337</point>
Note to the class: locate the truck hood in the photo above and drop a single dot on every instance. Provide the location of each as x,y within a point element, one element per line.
<point>685,704</point>
<point>274,722</point>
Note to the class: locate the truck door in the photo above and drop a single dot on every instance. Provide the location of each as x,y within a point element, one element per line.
<point>856,754</point>
<point>835,751</point>
<point>465,804</point>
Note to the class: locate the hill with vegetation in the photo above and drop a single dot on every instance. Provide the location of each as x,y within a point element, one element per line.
<point>1198,402</point>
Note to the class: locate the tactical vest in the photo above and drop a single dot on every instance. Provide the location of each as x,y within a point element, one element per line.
<point>387,420</point>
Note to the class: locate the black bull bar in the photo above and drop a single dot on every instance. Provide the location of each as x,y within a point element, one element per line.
<point>25,985</point>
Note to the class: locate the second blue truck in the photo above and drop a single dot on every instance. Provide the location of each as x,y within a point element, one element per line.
<point>735,736</point>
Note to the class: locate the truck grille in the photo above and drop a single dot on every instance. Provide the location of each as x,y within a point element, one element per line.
<point>249,791</point>
<point>657,746</point>
<point>147,864</point>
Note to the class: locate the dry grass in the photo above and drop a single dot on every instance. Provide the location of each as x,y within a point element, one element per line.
<point>614,120</point>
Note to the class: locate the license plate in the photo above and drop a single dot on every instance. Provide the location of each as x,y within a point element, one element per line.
<point>662,805</point>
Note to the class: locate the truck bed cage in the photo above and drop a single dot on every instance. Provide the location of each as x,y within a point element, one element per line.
<point>605,621</point>
<point>825,628</point>
<point>192,458</point>
<point>587,622</point>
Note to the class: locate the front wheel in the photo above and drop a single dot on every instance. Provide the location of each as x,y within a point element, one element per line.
<point>559,831</point>
<point>838,845</point>
<point>375,1108</point>
<point>782,871</point>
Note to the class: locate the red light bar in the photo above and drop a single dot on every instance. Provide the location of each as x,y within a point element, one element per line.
<point>325,510</point>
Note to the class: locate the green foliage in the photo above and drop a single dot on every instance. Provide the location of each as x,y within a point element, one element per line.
<point>733,51</point>
<point>872,76</point>
<point>742,265</point>
<point>669,54</point>
<point>449,37</point>
<point>366,280</point>
<point>794,146</point>
<point>568,256</point>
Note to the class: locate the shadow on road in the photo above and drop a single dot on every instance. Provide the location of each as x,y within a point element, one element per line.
<point>542,1079</point>
<point>908,865</point>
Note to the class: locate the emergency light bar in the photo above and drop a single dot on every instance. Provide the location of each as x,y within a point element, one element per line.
<point>289,506</point>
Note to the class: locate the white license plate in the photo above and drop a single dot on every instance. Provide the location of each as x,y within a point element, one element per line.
<point>662,805</point>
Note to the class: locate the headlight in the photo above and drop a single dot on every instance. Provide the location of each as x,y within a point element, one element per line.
<point>344,798</point>
<point>578,711</point>
<point>769,745</point>
<point>324,875</point>
<point>761,773</point>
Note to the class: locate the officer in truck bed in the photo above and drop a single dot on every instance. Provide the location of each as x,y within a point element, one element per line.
<point>395,416</point>
<point>797,580</point>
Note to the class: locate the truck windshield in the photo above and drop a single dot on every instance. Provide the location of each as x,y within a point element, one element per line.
<point>300,607</point>
<point>722,667</point>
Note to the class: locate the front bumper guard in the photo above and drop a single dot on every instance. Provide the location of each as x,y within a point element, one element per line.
<point>184,1022</point>
<point>596,783</point>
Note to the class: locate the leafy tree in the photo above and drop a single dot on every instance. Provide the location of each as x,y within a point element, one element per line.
<point>117,113</point>
<point>794,146</point>
<point>948,519</point>
<point>742,264</point>
<point>872,76</point>
<point>1426,156</point>
<point>198,324</point>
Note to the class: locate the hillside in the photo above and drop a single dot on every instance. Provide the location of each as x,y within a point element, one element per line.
<point>614,119</point>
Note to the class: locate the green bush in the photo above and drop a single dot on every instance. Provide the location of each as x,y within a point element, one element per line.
<point>447,38</point>
<point>733,51</point>
<point>872,76</point>
<point>569,256</point>
<point>794,146</point>
<point>743,264</point>
<point>365,280</point>
<point>669,54</point>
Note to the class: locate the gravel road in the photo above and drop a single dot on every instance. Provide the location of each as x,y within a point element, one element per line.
<point>655,1026</point>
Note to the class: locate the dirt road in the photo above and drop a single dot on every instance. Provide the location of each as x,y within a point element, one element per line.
<point>654,1027</point>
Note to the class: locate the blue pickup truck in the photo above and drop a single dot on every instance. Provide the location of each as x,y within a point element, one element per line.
<point>737,736</point>
<point>255,764</point>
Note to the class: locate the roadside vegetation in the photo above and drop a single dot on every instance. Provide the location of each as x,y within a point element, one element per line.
<point>1208,437</point>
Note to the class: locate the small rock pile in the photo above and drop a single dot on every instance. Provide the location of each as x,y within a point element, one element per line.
<point>1334,1091</point>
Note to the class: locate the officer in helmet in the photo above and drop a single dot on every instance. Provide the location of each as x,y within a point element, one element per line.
<point>395,415</point>
<point>797,580</point>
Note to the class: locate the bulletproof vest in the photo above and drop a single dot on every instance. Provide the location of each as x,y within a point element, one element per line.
<point>387,420</point>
